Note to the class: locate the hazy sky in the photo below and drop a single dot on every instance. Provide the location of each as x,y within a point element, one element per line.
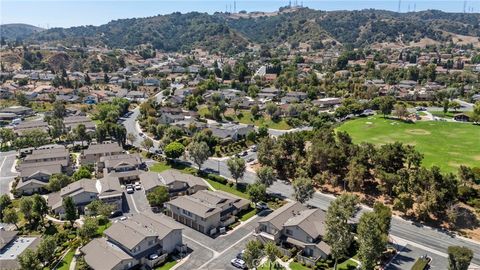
<point>66,13</point>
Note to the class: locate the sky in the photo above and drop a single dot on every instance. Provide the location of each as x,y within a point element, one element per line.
<point>67,13</point>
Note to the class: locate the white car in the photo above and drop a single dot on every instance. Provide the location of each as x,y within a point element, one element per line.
<point>153,256</point>
<point>239,263</point>
<point>130,189</point>
<point>138,186</point>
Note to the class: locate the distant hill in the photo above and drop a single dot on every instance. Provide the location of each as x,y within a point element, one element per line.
<point>229,33</point>
<point>16,31</point>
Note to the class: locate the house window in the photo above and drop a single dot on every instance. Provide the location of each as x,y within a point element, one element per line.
<point>150,242</point>
<point>288,232</point>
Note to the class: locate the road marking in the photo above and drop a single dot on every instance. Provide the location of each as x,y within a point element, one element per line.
<point>198,243</point>
<point>225,250</point>
<point>3,162</point>
<point>134,205</point>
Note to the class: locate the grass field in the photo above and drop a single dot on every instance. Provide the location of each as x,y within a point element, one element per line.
<point>445,144</point>
<point>65,263</point>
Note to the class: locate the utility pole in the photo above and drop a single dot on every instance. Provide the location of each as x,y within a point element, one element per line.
<point>399,5</point>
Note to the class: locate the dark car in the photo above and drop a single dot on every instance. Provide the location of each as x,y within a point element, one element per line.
<point>115,214</point>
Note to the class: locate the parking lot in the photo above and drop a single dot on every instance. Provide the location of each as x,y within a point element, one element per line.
<point>408,255</point>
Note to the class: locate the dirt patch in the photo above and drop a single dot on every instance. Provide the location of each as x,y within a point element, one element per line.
<point>418,131</point>
<point>477,158</point>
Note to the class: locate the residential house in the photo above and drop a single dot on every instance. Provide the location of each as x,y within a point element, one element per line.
<point>295,225</point>
<point>84,191</point>
<point>72,122</point>
<point>230,131</point>
<point>24,127</point>
<point>130,243</point>
<point>20,111</point>
<point>37,168</point>
<point>125,167</point>
<point>94,152</point>
<point>206,211</point>
<point>178,183</point>
<point>327,102</point>
<point>269,93</point>
<point>12,245</point>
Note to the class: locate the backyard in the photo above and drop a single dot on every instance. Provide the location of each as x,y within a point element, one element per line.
<point>445,144</point>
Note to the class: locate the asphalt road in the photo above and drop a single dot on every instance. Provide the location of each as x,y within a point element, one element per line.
<point>7,161</point>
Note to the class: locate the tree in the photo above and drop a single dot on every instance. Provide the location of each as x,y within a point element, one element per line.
<point>459,257</point>
<point>70,209</point>
<point>386,105</point>
<point>22,99</point>
<point>81,133</point>
<point>338,231</point>
<point>57,128</point>
<point>266,175</point>
<point>131,138</point>
<point>29,260</point>
<point>401,111</point>
<point>237,167</point>
<point>200,152</point>
<point>10,215</point>
<point>158,196</point>
<point>476,113</point>
<point>59,110</point>
<point>257,192</point>
<point>88,229</point>
<point>356,175</point>
<point>253,252</point>
<point>271,251</point>
<point>46,249</point>
<point>57,182</point>
<point>446,104</point>
<point>371,240</point>
<point>455,105</point>
<point>39,207</point>
<point>303,189</point>
<point>6,136</point>
<point>174,150</point>
<point>81,173</point>
<point>97,207</point>
<point>384,215</point>
<point>147,143</point>
<point>26,207</point>
<point>4,203</point>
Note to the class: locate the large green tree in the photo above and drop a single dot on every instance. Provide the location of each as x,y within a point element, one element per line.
<point>158,196</point>
<point>459,258</point>
<point>237,168</point>
<point>371,240</point>
<point>253,253</point>
<point>70,209</point>
<point>266,175</point>
<point>338,230</point>
<point>199,152</point>
<point>303,189</point>
<point>174,150</point>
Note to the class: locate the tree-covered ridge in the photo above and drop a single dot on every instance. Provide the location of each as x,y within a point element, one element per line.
<point>221,32</point>
<point>15,31</point>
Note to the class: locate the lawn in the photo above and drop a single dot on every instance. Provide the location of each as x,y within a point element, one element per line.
<point>102,228</point>
<point>160,167</point>
<point>347,265</point>
<point>245,215</point>
<point>246,117</point>
<point>445,144</point>
<point>65,263</point>
<point>226,188</point>
<point>298,266</point>
<point>167,265</point>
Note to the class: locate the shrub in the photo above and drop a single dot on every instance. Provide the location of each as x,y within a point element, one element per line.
<point>217,178</point>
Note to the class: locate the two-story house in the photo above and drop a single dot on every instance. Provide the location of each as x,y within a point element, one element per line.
<point>206,211</point>
<point>94,152</point>
<point>295,225</point>
<point>178,183</point>
<point>133,242</point>
<point>126,167</point>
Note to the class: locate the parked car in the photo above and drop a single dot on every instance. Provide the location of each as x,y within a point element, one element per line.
<point>239,263</point>
<point>250,159</point>
<point>244,153</point>
<point>261,205</point>
<point>141,134</point>
<point>153,256</point>
<point>420,109</point>
<point>130,189</point>
<point>115,214</point>
<point>138,186</point>
<point>254,148</point>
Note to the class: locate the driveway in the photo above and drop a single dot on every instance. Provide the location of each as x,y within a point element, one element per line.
<point>7,161</point>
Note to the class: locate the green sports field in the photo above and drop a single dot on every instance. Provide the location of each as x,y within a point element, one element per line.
<point>445,144</point>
